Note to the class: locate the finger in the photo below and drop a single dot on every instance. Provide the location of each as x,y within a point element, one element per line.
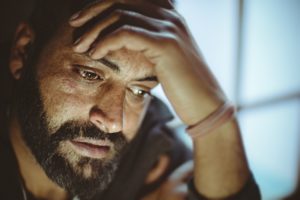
<point>83,43</point>
<point>132,38</point>
<point>183,172</point>
<point>91,11</point>
<point>180,192</point>
<point>174,191</point>
<point>158,170</point>
<point>163,3</point>
<point>146,8</point>
<point>182,189</point>
<point>114,21</point>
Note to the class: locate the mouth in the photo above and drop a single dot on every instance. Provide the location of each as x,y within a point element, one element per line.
<point>92,148</point>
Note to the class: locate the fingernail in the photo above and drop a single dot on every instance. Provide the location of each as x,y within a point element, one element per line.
<point>75,16</point>
<point>77,41</point>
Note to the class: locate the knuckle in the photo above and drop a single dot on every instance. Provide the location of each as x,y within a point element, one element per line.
<point>177,19</point>
<point>170,27</point>
<point>170,39</point>
<point>132,14</point>
<point>90,9</point>
<point>124,30</point>
<point>96,7</point>
<point>126,14</point>
<point>118,14</point>
<point>127,30</point>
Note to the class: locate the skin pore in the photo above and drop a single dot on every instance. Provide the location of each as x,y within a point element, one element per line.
<point>111,94</point>
<point>111,100</point>
<point>73,87</point>
<point>191,88</point>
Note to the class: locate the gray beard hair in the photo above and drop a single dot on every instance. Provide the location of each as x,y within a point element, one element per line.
<point>43,144</point>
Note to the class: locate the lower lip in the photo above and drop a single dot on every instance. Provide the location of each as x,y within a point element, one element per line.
<point>89,150</point>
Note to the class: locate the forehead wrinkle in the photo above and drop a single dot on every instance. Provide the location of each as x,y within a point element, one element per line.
<point>103,61</point>
<point>130,61</point>
<point>112,63</point>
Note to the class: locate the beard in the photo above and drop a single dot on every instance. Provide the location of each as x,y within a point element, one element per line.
<point>45,145</point>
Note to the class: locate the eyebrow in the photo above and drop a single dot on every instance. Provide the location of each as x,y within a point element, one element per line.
<point>149,78</point>
<point>109,64</point>
<point>116,68</point>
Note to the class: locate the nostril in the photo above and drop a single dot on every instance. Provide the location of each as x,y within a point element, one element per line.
<point>101,126</point>
<point>97,118</point>
<point>106,121</point>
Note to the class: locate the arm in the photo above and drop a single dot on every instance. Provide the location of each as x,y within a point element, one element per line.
<point>160,33</point>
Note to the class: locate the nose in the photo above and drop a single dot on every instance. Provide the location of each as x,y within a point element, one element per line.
<point>107,113</point>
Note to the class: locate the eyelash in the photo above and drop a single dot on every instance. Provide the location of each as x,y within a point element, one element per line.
<point>87,74</point>
<point>136,91</point>
<point>82,71</point>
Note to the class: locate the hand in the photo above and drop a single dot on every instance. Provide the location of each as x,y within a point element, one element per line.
<point>175,187</point>
<point>161,34</point>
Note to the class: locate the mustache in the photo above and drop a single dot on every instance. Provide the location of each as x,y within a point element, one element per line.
<point>74,129</point>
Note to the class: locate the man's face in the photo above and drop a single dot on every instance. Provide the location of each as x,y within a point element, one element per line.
<point>78,114</point>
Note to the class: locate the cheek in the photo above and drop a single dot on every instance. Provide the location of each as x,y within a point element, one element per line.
<point>130,125</point>
<point>63,101</point>
<point>133,118</point>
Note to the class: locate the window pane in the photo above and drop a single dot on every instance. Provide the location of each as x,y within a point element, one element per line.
<point>213,24</point>
<point>271,137</point>
<point>271,60</point>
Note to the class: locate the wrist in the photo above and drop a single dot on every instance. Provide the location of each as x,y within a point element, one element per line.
<point>214,120</point>
<point>220,157</point>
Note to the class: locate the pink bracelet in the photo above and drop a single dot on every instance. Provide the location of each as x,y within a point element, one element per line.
<point>223,114</point>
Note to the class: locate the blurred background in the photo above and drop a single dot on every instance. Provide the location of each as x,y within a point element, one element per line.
<point>253,48</point>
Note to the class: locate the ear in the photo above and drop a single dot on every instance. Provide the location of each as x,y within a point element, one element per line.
<point>24,37</point>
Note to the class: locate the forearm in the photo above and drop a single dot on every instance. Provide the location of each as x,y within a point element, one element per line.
<point>221,168</point>
<point>190,87</point>
<point>220,163</point>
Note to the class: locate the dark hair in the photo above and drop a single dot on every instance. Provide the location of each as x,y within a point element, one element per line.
<point>48,15</point>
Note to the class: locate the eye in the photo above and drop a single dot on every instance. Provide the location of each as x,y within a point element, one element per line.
<point>140,93</point>
<point>88,74</point>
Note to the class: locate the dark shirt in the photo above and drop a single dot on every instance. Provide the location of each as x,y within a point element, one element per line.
<point>152,140</point>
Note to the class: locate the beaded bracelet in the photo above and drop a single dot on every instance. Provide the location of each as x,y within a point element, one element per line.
<point>220,116</point>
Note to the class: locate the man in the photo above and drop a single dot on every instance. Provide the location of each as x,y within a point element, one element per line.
<point>83,124</point>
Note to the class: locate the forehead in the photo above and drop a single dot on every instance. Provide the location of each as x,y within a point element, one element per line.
<point>136,60</point>
<point>60,48</point>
